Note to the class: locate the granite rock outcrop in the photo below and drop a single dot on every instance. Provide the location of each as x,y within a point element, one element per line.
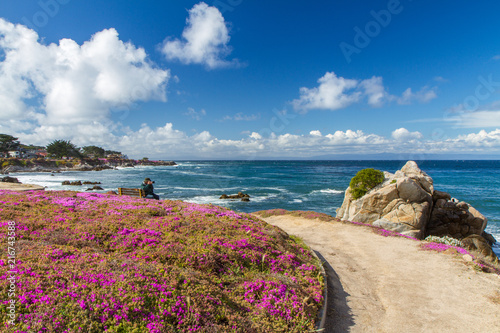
<point>406,202</point>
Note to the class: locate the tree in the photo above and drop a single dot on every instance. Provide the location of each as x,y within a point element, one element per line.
<point>32,147</point>
<point>112,152</point>
<point>62,148</point>
<point>93,150</point>
<point>8,142</point>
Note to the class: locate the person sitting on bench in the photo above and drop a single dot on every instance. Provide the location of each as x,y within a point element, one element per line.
<point>147,186</point>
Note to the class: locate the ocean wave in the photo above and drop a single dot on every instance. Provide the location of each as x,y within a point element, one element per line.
<point>327,191</point>
<point>193,173</point>
<point>211,199</point>
<point>207,189</point>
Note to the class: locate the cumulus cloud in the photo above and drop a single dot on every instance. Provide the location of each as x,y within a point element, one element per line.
<point>76,83</point>
<point>403,135</point>
<point>167,142</point>
<point>482,139</point>
<point>315,133</point>
<point>334,92</point>
<point>204,40</point>
<point>375,91</point>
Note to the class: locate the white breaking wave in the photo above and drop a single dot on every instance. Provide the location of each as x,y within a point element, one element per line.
<point>327,191</point>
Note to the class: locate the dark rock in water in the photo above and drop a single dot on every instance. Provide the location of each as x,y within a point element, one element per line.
<point>101,167</point>
<point>91,183</point>
<point>75,183</point>
<point>10,180</point>
<point>240,195</point>
<point>95,188</point>
<point>478,244</point>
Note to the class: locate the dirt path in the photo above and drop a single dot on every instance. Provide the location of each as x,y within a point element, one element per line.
<point>385,284</point>
<point>20,187</point>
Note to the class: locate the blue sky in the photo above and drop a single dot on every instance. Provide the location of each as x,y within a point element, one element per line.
<point>253,79</point>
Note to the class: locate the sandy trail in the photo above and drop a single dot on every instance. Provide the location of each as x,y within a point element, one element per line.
<point>20,187</point>
<point>385,284</point>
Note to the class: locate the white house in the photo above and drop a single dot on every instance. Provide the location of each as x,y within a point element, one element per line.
<point>15,153</point>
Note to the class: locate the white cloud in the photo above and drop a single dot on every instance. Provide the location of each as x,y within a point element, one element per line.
<point>481,139</point>
<point>256,136</point>
<point>315,133</point>
<point>424,95</point>
<point>205,39</point>
<point>77,83</point>
<point>197,115</point>
<point>440,79</point>
<point>477,119</point>
<point>166,142</point>
<point>403,135</point>
<point>242,117</point>
<point>334,92</point>
<point>497,57</point>
<point>375,91</point>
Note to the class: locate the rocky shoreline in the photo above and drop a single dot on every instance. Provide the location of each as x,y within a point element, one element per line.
<point>53,166</point>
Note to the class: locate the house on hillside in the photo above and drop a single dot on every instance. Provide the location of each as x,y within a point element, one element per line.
<point>29,154</point>
<point>42,153</point>
<point>16,153</point>
<point>23,153</point>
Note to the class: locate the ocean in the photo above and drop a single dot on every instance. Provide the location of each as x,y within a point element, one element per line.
<point>293,185</point>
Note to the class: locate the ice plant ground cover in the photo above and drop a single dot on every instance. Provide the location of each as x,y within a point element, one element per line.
<point>101,263</point>
<point>430,244</point>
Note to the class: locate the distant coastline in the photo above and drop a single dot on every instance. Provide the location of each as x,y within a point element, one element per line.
<point>16,165</point>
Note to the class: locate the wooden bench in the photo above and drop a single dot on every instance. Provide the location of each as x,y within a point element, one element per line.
<point>133,192</point>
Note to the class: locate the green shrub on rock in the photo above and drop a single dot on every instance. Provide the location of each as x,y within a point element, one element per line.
<point>364,181</point>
